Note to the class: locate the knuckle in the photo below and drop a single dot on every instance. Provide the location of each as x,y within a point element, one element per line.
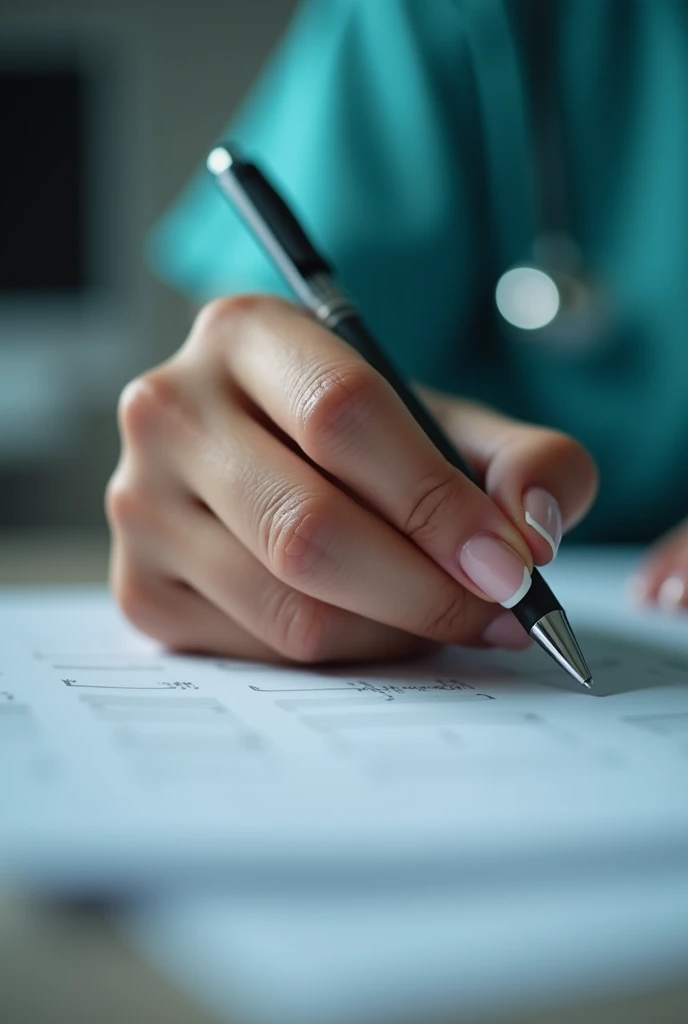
<point>127,509</point>
<point>148,602</point>
<point>299,627</point>
<point>431,507</point>
<point>295,532</point>
<point>143,404</point>
<point>119,502</point>
<point>219,314</point>
<point>446,623</point>
<point>141,605</point>
<point>334,406</point>
<point>227,316</point>
<point>132,599</point>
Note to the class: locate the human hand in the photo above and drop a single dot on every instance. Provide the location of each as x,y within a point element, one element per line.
<point>662,578</point>
<point>275,500</point>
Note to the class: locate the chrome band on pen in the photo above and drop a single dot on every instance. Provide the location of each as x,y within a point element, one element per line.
<point>319,293</point>
<point>328,301</point>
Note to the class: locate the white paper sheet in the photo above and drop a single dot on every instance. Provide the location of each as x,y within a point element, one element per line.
<point>482,945</point>
<point>421,952</point>
<point>126,766</point>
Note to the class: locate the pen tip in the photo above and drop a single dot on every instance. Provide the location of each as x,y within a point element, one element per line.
<point>554,634</point>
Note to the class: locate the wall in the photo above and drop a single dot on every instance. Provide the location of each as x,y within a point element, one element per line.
<point>191,64</point>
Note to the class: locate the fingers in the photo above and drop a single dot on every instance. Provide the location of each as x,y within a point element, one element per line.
<point>368,541</point>
<point>662,578</point>
<point>176,615</point>
<point>542,479</point>
<point>349,421</point>
<point>295,626</point>
<point>181,577</point>
<point>317,540</point>
<point>222,601</point>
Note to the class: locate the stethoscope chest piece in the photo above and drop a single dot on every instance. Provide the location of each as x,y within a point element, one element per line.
<point>548,299</point>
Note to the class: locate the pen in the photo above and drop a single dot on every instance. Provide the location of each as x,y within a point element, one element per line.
<point>312,279</point>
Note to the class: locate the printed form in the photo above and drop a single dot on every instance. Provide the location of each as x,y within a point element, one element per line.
<point>128,766</point>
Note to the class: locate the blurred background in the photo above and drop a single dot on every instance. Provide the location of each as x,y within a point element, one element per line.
<point>108,106</point>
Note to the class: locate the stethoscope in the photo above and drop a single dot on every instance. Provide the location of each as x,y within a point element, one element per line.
<point>550,296</point>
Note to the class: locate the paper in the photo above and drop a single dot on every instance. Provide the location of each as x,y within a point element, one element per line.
<point>422,951</point>
<point>127,766</point>
<point>482,945</point>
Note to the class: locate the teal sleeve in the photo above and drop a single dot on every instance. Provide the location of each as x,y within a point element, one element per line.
<point>357,120</point>
<point>400,132</point>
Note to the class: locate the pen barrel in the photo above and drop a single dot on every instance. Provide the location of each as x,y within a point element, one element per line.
<point>355,333</point>
<point>285,230</point>
<point>539,600</point>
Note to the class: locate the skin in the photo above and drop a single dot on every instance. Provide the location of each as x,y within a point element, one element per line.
<point>662,578</point>
<point>274,499</point>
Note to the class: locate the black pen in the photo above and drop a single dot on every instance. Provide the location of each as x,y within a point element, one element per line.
<point>312,280</point>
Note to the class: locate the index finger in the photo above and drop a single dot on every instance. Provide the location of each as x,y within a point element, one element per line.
<point>351,422</point>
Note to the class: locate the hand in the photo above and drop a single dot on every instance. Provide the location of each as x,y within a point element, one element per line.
<point>275,500</point>
<point>663,576</point>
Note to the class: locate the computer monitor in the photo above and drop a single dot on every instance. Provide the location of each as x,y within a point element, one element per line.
<point>72,179</point>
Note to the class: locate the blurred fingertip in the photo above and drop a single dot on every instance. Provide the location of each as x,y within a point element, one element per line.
<point>671,596</point>
<point>638,591</point>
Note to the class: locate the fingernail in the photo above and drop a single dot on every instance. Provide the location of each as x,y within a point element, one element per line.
<point>542,512</point>
<point>507,631</point>
<point>671,593</point>
<point>496,568</point>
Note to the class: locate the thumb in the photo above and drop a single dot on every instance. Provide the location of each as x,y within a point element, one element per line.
<point>542,479</point>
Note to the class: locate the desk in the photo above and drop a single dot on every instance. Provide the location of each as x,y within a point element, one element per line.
<point>68,966</point>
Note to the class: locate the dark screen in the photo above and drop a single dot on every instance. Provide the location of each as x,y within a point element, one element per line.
<point>42,202</point>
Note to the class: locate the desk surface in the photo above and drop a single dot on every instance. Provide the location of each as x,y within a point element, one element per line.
<point>68,966</point>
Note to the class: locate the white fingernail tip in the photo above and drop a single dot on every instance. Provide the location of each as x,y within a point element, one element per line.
<point>671,593</point>
<point>521,592</point>
<point>543,533</point>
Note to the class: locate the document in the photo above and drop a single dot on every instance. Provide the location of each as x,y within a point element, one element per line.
<point>126,766</point>
<point>499,937</point>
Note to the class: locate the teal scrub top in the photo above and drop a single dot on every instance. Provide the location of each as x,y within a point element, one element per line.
<point>401,131</point>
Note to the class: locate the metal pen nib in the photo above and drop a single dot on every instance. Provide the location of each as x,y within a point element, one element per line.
<point>555,636</point>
